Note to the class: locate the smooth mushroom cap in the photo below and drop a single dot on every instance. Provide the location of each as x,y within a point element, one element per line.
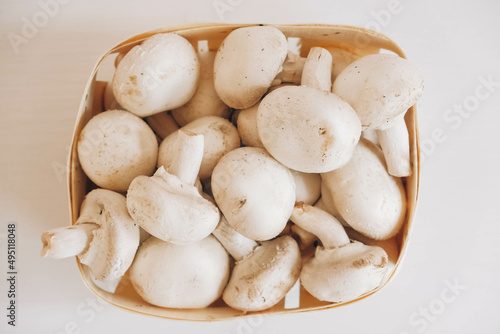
<point>263,278</point>
<point>255,193</point>
<point>246,64</point>
<point>341,58</point>
<point>180,276</point>
<point>114,147</point>
<point>307,187</point>
<point>369,199</point>
<point>246,122</point>
<point>205,101</point>
<point>159,74</point>
<point>344,273</point>
<point>379,87</point>
<point>306,129</point>
<point>115,242</point>
<point>220,137</point>
<point>171,210</point>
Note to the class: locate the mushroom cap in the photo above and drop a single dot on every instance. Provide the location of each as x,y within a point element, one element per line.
<point>205,101</point>
<point>159,74</point>
<point>246,123</point>
<point>171,210</point>
<point>306,129</point>
<point>255,192</point>
<point>307,187</point>
<point>344,273</point>
<point>115,242</point>
<point>390,246</point>
<point>246,64</point>
<point>114,147</point>
<point>180,276</point>
<point>379,87</point>
<point>371,201</point>
<point>263,278</point>
<point>220,137</point>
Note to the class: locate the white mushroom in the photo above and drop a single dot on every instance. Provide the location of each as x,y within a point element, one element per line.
<point>396,148</point>
<point>390,246</point>
<point>326,203</point>
<point>368,198</point>
<point>249,61</point>
<point>159,74</point>
<point>307,187</point>
<point>381,88</point>
<point>180,276</point>
<point>305,128</point>
<point>246,122</point>
<point>340,271</point>
<point>110,102</point>
<point>255,193</point>
<point>114,147</point>
<point>168,205</point>
<point>220,137</point>
<point>163,124</point>
<point>104,237</point>
<point>263,273</point>
<point>341,58</point>
<point>371,135</point>
<point>205,101</point>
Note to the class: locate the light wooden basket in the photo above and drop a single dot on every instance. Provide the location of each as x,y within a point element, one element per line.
<point>357,40</point>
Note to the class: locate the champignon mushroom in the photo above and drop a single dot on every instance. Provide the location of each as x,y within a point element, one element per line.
<point>381,88</point>
<point>369,199</point>
<point>305,128</point>
<point>246,123</point>
<point>220,137</point>
<point>255,192</point>
<point>163,124</point>
<point>114,147</point>
<point>205,101</point>
<point>180,276</point>
<point>341,58</point>
<point>340,271</point>
<point>168,205</point>
<point>326,203</point>
<point>263,273</point>
<point>110,102</point>
<point>105,238</point>
<point>396,148</point>
<point>390,246</point>
<point>307,187</point>
<point>249,61</point>
<point>159,74</point>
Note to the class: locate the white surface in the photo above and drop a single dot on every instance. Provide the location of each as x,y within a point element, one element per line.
<point>457,229</point>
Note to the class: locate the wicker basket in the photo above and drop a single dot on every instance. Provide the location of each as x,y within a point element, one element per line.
<point>357,40</point>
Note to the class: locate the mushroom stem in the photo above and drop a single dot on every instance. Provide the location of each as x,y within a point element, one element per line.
<point>236,244</point>
<point>327,228</point>
<point>292,70</point>
<point>317,69</point>
<point>306,238</point>
<point>396,147</point>
<point>162,124</point>
<point>67,241</point>
<point>187,158</point>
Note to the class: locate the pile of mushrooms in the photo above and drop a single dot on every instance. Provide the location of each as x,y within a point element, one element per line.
<point>233,174</point>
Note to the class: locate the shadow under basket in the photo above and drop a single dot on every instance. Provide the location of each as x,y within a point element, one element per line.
<point>356,40</point>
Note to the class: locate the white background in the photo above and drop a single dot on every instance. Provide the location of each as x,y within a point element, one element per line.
<point>457,228</point>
